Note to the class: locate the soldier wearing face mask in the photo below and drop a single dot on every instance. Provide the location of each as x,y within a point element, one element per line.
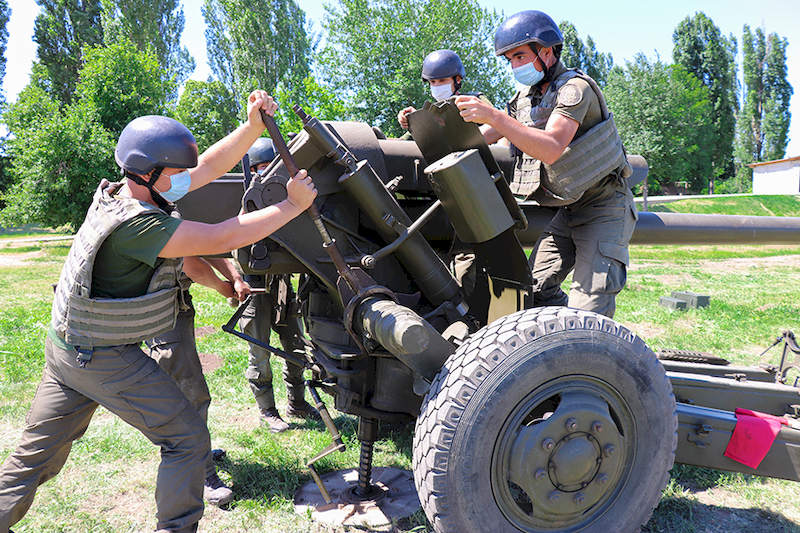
<point>443,71</point>
<point>568,154</point>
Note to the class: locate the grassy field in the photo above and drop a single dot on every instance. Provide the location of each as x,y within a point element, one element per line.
<point>754,204</point>
<point>107,484</point>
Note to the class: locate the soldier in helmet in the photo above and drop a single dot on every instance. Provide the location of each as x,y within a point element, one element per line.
<point>569,155</point>
<point>119,287</point>
<point>277,309</point>
<point>443,71</point>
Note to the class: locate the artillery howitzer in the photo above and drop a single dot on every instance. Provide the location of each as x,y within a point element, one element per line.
<point>527,419</point>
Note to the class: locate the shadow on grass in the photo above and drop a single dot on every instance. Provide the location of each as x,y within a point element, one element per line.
<point>684,515</point>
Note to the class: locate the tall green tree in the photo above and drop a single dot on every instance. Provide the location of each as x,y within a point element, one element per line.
<point>762,124</point>
<point>576,54</point>
<point>156,24</point>
<point>123,83</point>
<point>374,50</point>
<point>5,14</point>
<point>208,109</point>
<point>60,153</point>
<point>256,44</point>
<point>61,29</point>
<point>315,99</point>
<point>663,113</point>
<point>702,49</point>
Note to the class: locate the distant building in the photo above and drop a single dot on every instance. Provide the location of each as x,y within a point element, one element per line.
<point>777,177</point>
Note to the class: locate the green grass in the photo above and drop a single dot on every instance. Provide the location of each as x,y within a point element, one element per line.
<point>763,205</point>
<point>31,230</point>
<point>108,482</point>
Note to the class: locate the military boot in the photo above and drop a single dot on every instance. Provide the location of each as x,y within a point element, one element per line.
<point>298,406</point>
<point>272,419</point>
<point>216,492</point>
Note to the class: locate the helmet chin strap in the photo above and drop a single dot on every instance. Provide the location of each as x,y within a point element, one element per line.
<point>548,71</point>
<point>160,201</point>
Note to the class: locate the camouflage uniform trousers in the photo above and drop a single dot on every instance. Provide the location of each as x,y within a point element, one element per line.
<point>590,236</point>
<point>176,353</point>
<point>262,314</point>
<point>127,382</point>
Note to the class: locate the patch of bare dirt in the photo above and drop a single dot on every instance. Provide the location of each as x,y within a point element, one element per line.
<point>646,330</point>
<point>749,263</point>
<point>11,260</point>
<point>203,331</point>
<point>210,362</point>
<point>723,511</point>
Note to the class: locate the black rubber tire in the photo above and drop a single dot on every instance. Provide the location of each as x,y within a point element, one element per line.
<point>470,400</point>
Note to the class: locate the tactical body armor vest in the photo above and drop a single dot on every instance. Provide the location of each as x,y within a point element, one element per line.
<point>588,159</point>
<point>89,322</point>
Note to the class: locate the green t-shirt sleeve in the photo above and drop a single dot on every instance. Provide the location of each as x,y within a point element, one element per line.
<point>574,99</point>
<point>144,236</point>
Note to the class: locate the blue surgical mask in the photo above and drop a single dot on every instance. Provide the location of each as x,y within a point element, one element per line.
<point>528,75</point>
<point>441,92</point>
<point>179,186</point>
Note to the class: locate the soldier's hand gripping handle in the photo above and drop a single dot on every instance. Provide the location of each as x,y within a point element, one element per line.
<point>283,151</point>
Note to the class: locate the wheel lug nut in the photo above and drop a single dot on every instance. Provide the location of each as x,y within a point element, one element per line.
<point>553,496</point>
<point>571,424</point>
<point>602,478</point>
<point>548,444</point>
<point>597,427</point>
<point>579,498</point>
<point>539,474</point>
<point>608,450</point>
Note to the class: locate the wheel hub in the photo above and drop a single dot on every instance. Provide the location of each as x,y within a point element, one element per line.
<point>567,461</point>
<point>574,462</point>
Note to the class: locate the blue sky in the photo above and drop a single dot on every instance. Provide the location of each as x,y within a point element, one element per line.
<point>621,28</point>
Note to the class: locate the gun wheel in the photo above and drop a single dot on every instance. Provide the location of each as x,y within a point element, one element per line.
<point>550,419</point>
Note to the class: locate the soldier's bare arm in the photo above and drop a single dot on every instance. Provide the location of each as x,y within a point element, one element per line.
<point>225,153</point>
<point>546,145</point>
<point>196,238</point>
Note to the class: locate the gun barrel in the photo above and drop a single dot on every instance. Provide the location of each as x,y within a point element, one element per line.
<point>404,334</point>
<point>687,228</point>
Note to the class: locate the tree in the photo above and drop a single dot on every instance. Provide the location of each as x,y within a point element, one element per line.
<point>57,165</point>
<point>374,50</point>
<point>315,100</point>
<point>256,44</point>
<point>122,83</point>
<point>576,54</point>
<point>702,49</point>
<point>5,14</point>
<point>663,113</point>
<point>151,23</point>
<point>763,122</point>
<point>60,154</point>
<point>208,110</point>
<point>61,29</point>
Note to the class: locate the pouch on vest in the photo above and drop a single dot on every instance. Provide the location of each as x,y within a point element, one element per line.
<point>113,321</point>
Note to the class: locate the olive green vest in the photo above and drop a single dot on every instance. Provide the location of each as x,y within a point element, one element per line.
<point>588,159</point>
<point>88,322</point>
